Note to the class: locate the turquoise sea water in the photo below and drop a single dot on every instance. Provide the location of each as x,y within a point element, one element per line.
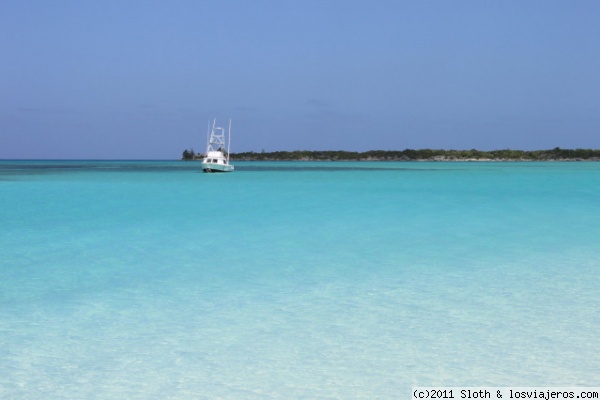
<point>152,280</point>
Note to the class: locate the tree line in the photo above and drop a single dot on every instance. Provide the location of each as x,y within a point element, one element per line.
<point>412,155</point>
<point>422,155</point>
<point>190,154</point>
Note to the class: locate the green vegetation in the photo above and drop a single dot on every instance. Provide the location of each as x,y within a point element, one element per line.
<point>188,154</point>
<point>557,154</point>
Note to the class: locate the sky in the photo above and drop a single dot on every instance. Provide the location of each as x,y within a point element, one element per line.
<point>140,79</point>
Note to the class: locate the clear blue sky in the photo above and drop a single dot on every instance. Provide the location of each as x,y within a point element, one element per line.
<point>140,79</point>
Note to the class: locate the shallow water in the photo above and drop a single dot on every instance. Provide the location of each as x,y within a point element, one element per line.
<point>295,280</point>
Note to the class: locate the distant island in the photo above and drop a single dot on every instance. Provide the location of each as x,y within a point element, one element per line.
<point>556,154</point>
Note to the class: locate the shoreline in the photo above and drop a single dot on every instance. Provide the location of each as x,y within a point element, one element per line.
<point>424,155</point>
<point>420,160</point>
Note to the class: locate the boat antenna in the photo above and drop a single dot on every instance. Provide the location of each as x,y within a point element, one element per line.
<point>229,141</point>
<point>207,136</point>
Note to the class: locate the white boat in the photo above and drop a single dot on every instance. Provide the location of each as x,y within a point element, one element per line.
<point>216,158</point>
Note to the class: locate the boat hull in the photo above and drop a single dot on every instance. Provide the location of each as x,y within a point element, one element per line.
<point>212,167</point>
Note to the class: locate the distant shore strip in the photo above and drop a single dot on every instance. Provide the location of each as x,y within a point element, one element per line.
<point>556,154</point>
